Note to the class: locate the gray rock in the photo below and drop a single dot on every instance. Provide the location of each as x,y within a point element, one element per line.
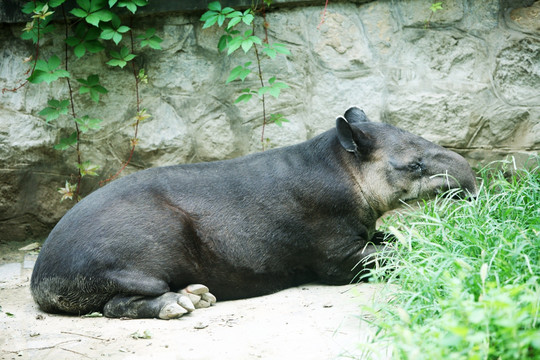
<point>517,72</point>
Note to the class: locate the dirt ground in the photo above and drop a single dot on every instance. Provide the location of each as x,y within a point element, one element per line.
<point>307,322</point>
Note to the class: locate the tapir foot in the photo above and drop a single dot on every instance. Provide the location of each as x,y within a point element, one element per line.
<point>169,305</point>
<point>199,295</point>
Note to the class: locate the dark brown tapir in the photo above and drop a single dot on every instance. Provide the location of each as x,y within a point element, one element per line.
<point>243,227</point>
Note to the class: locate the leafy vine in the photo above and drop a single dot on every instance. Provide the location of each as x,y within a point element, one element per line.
<point>91,23</point>
<point>230,20</point>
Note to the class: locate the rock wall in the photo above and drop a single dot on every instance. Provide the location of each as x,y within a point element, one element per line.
<point>469,81</point>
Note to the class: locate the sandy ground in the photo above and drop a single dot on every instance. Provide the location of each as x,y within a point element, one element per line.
<point>307,322</point>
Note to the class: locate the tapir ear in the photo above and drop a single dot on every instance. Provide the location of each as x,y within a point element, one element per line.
<point>355,115</point>
<point>351,140</point>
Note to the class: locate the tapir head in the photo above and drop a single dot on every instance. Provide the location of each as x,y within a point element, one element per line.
<point>393,165</point>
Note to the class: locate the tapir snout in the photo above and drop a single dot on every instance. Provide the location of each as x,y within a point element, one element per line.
<point>142,245</point>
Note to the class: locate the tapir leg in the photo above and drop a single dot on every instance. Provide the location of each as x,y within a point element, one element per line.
<point>356,258</point>
<point>169,305</point>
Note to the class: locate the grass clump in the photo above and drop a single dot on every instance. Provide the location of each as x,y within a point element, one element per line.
<point>464,275</point>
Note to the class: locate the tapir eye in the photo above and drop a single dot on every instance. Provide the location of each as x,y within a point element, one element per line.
<point>417,167</point>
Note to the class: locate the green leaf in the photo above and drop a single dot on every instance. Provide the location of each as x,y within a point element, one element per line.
<point>150,32</point>
<point>47,71</point>
<point>96,17</point>
<point>278,119</point>
<point>281,48</point>
<point>116,62</point>
<point>94,46</point>
<point>107,34</point>
<point>112,3</point>
<point>246,45</point>
<point>122,29</point>
<point>31,30</point>
<point>124,51</point>
<point>210,22</point>
<point>54,62</point>
<point>150,39</point>
<point>130,5</point>
<point>85,4</point>
<point>66,143</point>
<point>223,40</point>
<point>436,6</point>
<point>79,12</point>
<point>96,5</point>
<point>92,33</point>
<point>234,44</point>
<point>270,52</point>
<point>117,38</point>
<point>207,15</point>
<point>243,97</point>
<point>29,7</point>
<point>274,49</point>
<point>120,58</point>
<point>42,65</point>
<point>79,50</point>
<point>154,42</point>
<point>55,109</point>
<point>215,6</point>
<point>86,123</point>
<point>233,14</point>
<point>72,41</point>
<point>240,71</point>
<point>115,21</point>
<point>92,86</point>
<point>257,40</point>
<point>233,22</point>
<point>276,89</point>
<point>248,19</point>
<point>228,10</point>
<point>220,19</point>
<point>263,90</point>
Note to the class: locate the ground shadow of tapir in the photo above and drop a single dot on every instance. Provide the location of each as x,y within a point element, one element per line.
<point>243,227</point>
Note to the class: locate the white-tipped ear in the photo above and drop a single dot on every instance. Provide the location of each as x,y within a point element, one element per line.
<point>355,115</point>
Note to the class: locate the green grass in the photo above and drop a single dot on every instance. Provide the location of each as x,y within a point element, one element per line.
<point>464,275</point>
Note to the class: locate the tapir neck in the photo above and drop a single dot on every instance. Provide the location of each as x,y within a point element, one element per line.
<point>343,170</point>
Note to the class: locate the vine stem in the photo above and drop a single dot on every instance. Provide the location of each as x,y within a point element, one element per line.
<point>323,17</point>
<point>134,141</point>
<point>261,79</point>
<point>263,98</point>
<point>15,89</point>
<point>78,146</point>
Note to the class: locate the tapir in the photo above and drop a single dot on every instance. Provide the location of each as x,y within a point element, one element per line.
<point>163,241</point>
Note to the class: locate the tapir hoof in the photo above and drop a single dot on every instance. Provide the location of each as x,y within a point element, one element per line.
<point>194,296</point>
<point>169,305</point>
<point>199,295</point>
